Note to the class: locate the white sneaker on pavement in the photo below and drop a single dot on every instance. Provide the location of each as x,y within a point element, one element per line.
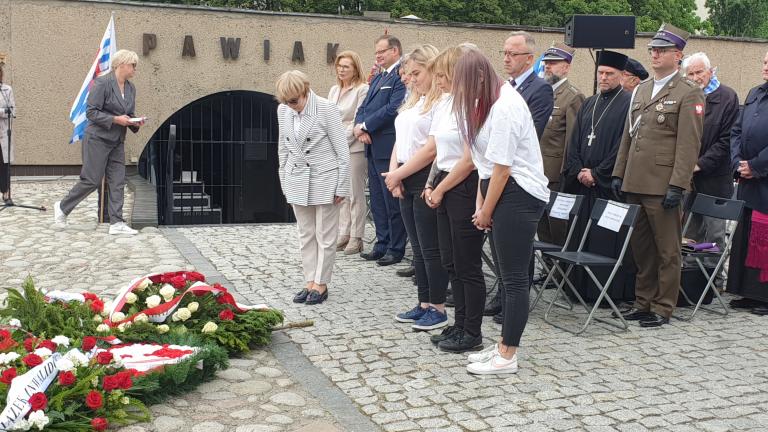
<point>121,228</point>
<point>59,218</point>
<point>484,355</point>
<point>496,365</point>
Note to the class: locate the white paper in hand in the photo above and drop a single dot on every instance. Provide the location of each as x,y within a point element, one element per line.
<point>137,119</point>
<point>562,206</point>
<point>613,216</point>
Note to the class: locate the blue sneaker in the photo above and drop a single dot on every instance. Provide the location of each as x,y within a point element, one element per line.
<point>433,319</point>
<point>412,315</point>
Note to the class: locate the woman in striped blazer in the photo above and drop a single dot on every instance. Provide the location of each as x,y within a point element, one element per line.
<point>314,174</point>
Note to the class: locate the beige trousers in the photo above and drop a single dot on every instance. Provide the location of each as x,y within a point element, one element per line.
<point>353,209</point>
<point>318,230</point>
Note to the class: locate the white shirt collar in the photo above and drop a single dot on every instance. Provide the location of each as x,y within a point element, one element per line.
<point>519,80</point>
<point>664,80</point>
<point>394,65</point>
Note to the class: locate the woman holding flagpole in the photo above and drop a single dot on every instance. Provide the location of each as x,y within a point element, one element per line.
<point>111,104</point>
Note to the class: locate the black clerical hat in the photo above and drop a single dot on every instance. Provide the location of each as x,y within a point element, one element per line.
<point>636,68</point>
<point>612,59</point>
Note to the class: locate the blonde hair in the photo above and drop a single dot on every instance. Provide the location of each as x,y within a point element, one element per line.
<point>356,63</point>
<point>124,57</point>
<point>291,84</point>
<point>446,61</point>
<point>422,56</point>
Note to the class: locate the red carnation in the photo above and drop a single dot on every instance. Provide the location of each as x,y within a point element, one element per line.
<point>90,296</point>
<point>47,344</point>
<point>30,343</point>
<point>195,276</point>
<point>104,357</point>
<point>99,424</point>
<point>125,380</point>
<point>226,315</point>
<point>5,334</point>
<point>94,400</point>
<point>32,360</point>
<point>8,375</point>
<point>38,401</point>
<point>178,282</point>
<point>110,383</point>
<point>97,306</point>
<point>67,378</point>
<point>88,343</point>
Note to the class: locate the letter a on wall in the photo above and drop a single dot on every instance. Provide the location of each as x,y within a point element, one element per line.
<point>298,52</point>
<point>189,47</point>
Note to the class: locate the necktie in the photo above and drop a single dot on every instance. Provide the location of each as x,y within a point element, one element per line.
<point>381,80</point>
<point>513,83</point>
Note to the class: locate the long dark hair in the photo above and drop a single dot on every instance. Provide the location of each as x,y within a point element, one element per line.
<point>475,89</point>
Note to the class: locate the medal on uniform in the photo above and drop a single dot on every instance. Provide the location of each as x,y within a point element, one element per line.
<point>660,119</point>
<point>660,107</point>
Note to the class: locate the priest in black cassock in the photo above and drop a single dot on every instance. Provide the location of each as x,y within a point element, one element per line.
<point>591,154</point>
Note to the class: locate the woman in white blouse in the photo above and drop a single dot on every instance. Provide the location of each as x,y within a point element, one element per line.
<point>409,167</point>
<point>349,93</point>
<point>513,193</point>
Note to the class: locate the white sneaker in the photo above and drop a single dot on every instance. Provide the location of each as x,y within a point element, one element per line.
<point>59,218</point>
<point>484,355</point>
<point>121,228</point>
<point>496,365</point>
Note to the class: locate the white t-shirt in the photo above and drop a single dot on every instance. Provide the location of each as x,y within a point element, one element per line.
<point>445,129</point>
<point>412,130</point>
<point>508,137</point>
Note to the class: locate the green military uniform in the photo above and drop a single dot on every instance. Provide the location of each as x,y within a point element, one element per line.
<point>659,149</point>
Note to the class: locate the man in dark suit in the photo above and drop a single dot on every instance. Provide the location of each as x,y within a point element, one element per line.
<point>375,127</point>
<point>518,64</point>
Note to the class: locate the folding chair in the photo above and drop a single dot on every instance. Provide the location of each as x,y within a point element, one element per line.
<point>727,210</point>
<point>607,215</point>
<point>539,247</point>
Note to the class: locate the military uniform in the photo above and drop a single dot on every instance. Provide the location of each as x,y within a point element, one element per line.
<point>568,100</point>
<point>659,150</point>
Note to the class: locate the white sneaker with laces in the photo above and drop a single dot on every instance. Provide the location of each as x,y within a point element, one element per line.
<point>121,228</point>
<point>496,365</point>
<point>484,355</point>
<point>59,218</point>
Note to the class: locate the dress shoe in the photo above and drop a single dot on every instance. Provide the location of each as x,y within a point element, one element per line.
<point>633,314</point>
<point>406,272</point>
<point>654,320</point>
<point>492,308</point>
<point>760,310</point>
<point>354,246</point>
<point>499,318</point>
<point>301,296</point>
<point>388,259</point>
<point>446,334</point>
<point>342,243</point>
<point>372,255</point>
<point>745,303</point>
<point>315,297</point>
<point>461,342</point>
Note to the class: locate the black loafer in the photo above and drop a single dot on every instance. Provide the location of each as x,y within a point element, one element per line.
<point>633,314</point>
<point>388,259</point>
<point>461,342</point>
<point>745,303</point>
<point>372,255</point>
<point>315,297</point>
<point>449,300</point>
<point>301,296</point>
<point>760,310</point>
<point>654,320</point>
<point>406,272</point>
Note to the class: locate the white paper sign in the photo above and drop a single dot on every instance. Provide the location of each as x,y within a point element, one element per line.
<point>613,216</point>
<point>562,206</point>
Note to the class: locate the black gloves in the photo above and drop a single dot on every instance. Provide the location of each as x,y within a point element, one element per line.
<point>616,187</point>
<point>673,197</point>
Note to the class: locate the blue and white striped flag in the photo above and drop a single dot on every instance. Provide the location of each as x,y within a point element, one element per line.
<point>538,66</point>
<point>102,65</point>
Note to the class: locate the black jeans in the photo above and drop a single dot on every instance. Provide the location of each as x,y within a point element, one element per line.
<point>515,220</point>
<point>421,225</point>
<point>4,171</point>
<point>460,247</point>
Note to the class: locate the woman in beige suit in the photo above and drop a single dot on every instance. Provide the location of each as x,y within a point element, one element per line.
<point>349,93</point>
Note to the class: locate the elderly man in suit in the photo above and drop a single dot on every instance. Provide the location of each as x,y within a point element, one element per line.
<point>111,104</point>
<point>654,165</point>
<point>375,127</point>
<point>314,175</point>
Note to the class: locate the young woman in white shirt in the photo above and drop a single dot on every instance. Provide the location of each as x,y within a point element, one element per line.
<point>453,193</point>
<point>513,192</point>
<point>411,161</point>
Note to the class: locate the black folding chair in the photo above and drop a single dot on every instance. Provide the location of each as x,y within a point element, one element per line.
<point>539,247</point>
<point>719,208</point>
<point>603,213</point>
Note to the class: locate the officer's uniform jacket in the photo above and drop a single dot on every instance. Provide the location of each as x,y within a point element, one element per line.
<point>568,100</point>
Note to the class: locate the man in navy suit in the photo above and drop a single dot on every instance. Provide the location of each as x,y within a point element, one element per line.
<point>538,94</point>
<point>375,127</point>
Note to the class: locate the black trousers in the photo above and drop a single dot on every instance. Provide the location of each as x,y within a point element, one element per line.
<point>421,225</point>
<point>4,174</point>
<point>515,220</point>
<point>460,246</point>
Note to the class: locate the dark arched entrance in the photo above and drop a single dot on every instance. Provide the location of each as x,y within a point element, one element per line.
<point>223,162</point>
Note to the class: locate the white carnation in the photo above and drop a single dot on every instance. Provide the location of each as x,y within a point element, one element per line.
<point>14,322</point>
<point>21,425</point>
<point>61,340</point>
<point>124,400</point>
<point>210,327</point>
<point>163,328</point>
<point>102,328</point>
<point>153,301</point>
<point>118,316</point>
<point>65,364</point>
<point>167,291</point>
<point>9,357</point>
<point>193,307</point>
<point>140,318</point>
<point>43,352</point>
<point>76,357</point>
<point>143,285</point>
<point>98,318</point>
<point>131,298</point>
<point>107,308</point>
<point>38,419</point>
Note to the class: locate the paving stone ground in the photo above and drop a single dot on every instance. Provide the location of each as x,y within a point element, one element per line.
<point>707,375</point>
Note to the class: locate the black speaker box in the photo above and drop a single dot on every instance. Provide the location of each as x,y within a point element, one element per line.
<point>600,31</point>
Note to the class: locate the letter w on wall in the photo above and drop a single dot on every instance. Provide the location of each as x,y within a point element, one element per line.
<point>230,47</point>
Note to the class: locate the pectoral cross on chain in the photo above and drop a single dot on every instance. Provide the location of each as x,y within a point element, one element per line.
<point>591,136</point>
